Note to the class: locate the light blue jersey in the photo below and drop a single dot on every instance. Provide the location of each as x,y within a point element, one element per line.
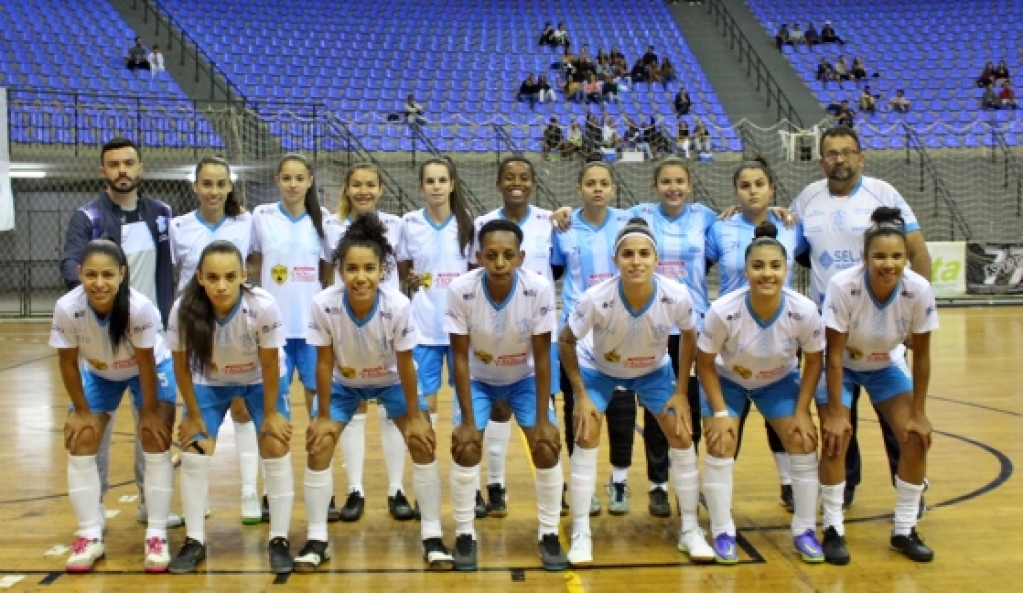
<point>587,254</point>
<point>727,242</point>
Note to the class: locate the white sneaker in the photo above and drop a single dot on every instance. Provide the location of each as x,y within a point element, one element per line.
<point>84,553</point>
<point>157,554</point>
<point>693,542</point>
<point>252,512</point>
<point>142,516</point>
<point>581,553</point>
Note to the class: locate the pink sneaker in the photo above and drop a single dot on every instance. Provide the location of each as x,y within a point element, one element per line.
<point>84,553</point>
<point>157,554</point>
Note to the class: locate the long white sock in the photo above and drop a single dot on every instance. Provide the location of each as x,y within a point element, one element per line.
<point>463,497</point>
<point>280,492</point>
<point>685,476</point>
<point>433,419</point>
<point>496,437</point>
<point>717,488</point>
<point>583,483</point>
<point>619,474</point>
<point>353,448</point>
<point>393,446</point>
<point>195,490</point>
<point>549,485</point>
<point>426,483</point>
<point>319,485</point>
<point>83,490</point>
<point>832,498</point>
<point>784,465</point>
<point>805,485</point>
<point>246,444</point>
<point>907,503</point>
<point>159,487</point>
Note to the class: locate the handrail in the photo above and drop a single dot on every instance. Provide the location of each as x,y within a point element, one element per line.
<point>1010,163</point>
<point>541,187</point>
<point>754,64</point>
<point>405,202</point>
<point>940,189</point>
<point>473,199</point>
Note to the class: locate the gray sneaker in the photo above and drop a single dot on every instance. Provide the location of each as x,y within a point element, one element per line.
<point>618,493</point>
<point>552,555</point>
<point>465,553</point>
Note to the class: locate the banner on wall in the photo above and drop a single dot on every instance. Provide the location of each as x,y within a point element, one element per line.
<point>6,195</point>
<point>948,268</point>
<point>995,268</point>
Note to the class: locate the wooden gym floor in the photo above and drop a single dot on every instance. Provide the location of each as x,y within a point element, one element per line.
<point>973,525</point>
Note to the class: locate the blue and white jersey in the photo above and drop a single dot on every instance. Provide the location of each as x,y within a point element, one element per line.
<point>334,229</point>
<point>754,352</point>
<point>727,242</point>
<point>436,257</point>
<point>501,333</point>
<point>190,234</point>
<point>536,239</point>
<point>876,330</point>
<point>587,254</point>
<point>834,226</point>
<point>681,248</point>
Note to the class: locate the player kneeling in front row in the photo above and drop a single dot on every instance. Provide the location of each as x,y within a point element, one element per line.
<point>869,311</point>
<point>500,320</point>
<point>109,339</point>
<point>622,326</point>
<point>227,340</point>
<point>747,350</point>
<point>364,338</point>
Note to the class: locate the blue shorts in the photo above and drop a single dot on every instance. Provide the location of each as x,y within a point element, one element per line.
<point>881,385</point>
<point>429,361</point>
<point>653,389</point>
<point>555,370</point>
<point>521,397</point>
<point>215,401</point>
<point>344,401</point>
<point>301,356</point>
<point>774,401</point>
<point>104,395</point>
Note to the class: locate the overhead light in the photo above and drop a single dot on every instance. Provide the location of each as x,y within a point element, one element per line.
<point>27,174</point>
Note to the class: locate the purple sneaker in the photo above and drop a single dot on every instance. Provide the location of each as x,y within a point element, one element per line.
<point>808,548</point>
<point>725,551</point>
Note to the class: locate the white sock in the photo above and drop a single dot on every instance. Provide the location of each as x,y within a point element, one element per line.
<point>83,490</point>
<point>195,489</point>
<point>393,446</point>
<point>159,487</point>
<point>280,492</point>
<point>583,483</point>
<point>319,485</point>
<point>660,486</point>
<point>549,485</point>
<point>433,419</point>
<point>496,437</point>
<point>685,476</point>
<point>717,488</point>
<point>784,465</point>
<point>353,449</point>
<point>832,498</point>
<point>805,485</point>
<point>907,503</point>
<point>463,497</point>
<point>426,484</point>
<point>619,474</point>
<point>247,446</point>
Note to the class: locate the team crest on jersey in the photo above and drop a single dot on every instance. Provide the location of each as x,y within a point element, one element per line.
<point>855,353</point>
<point>742,372</point>
<point>426,280</point>
<point>612,356</point>
<point>214,368</point>
<point>98,364</point>
<point>279,273</point>
<point>348,372</point>
<point>838,221</point>
<point>484,357</point>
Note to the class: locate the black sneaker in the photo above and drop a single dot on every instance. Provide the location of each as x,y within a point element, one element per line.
<point>436,555</point>
<point>281,561</point>
<point>481,506</point>
<point>189,557</point>
<point>312,555</point>
<point>912,546</point>
<point>834,548</point>
<point>786,499</point>
<point>552,555</point>
<point>354,506</point>
<point>265,510</point>
<point>564,501</point>
<point>465,553</point>
<point>659,505</point>
<point>333,513</point>
<point>399,507</point>
<point>848,498</point>
<point>497,507</point>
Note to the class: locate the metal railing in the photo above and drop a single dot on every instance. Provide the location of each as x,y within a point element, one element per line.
<point>941,192</point>
<point>1012,167</point>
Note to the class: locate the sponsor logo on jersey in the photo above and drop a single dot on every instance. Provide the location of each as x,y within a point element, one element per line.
<point>838,221</point>
<point>79,314</point>
<point>612,356</point>
<point>305,274</point>
<point>879,357</point>
<point>124,364</point>
<point>268,328</point>
<point>597,279</point>
<point>511,360</point>
<point>347,372</point>
<point>854,353</point>
<point>329,310</point>
<point>484,357</point>
<point>908,294</point>
<point>239,369</point>
<point>640,362</point>
<point>142,328</point>
<point>742,372</point>
<point>408,330</point>
<point>770,374</point>
<point>97,364</point>
<point>468,296</point>
<point>673,269</point>
<point>795,316</point>
<point>529,292</point>
<point>279,274</point>
<point>374,372</point>
<point>444,279</point>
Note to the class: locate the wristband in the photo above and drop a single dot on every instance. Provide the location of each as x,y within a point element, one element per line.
<point>721,414</point>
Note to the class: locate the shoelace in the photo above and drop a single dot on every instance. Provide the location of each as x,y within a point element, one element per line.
<point>80,544</point>
<point>155,544</point>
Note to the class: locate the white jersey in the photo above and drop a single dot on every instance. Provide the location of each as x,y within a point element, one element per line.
<point>501,334</point>
<point>291,261</point>
<point>438,260</point>
<point>334,229</point>
<point>190,234</point>
<point>364,349</point>
<point>754,352</point>
<point>877,330</point>
<point>623,343</point>
<point>76,325</point>
<point>536,239</point>
<point>254,323</point>
<point>834,226</point>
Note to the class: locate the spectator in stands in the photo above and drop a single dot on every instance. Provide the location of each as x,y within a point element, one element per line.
<point>990,98</point>
<point>682,139</point>
<point>796,35</point>
<point>414,112</point>
<point>584,63</point>
<point>844,115</point>
<point>828,34</point>
<point>650,57</point>
<point>529,91</point>
<point>859,69</point>
<point>560,37</point>
<point>610,140</point>
<point>553,139</point>
<point>547,35</point>
<point>592,90</point>
<point>812,36</point>
<point>987,76</point>
<point>156,64</point>
<point>1001,73</point>
<point>899,103</point>
<point>782,37</point>
<point>574,142</point>
<point>634,138</point>
<point>609,90</point>
<point>682,102</point>
<point>701,136</point>
<point>137,57</point>
<point>653,75</point>
<point>574,89</point>
<point>546,90</point>
<point>658,142</point>
<point>668,73</point>
<point>826,72</point>
<point>638,73</point>
<point>1007,96</point>
<point>868,101</point>
<point>842,69</point>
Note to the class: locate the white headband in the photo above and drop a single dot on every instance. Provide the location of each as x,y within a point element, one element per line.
<point>630,234</point>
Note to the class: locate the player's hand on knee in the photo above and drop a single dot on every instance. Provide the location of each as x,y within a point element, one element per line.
<point>78,427</point>
<point>720,435</point>
<point>584,417</point>
<point>803,432</point>
<point>419,434</point>
<point>191,429</point>
<point>837,431</point>
<point>153,428</point>
<point>677,411</point>
<point>920,426</point>
<point>466,445</point>
<point>322,434</point>
<point>275,425</point>
<point>546,440</point>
